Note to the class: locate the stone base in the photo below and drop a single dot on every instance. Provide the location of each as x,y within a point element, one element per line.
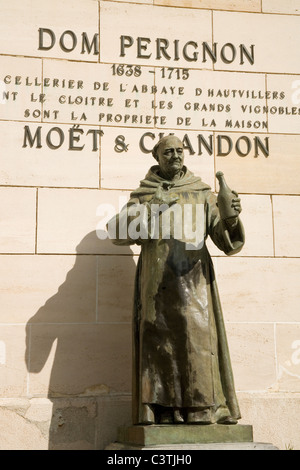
<point>187,437</point>
<point>216,446</point>
<point>161,435</point>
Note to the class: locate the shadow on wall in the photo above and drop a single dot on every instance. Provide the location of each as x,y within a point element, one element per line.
<point>87,373</point>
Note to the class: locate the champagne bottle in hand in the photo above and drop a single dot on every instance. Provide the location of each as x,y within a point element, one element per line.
<point>226,199</point>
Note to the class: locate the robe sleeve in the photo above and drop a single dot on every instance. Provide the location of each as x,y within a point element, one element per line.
<point>227,237</point>
<point>131,225</point>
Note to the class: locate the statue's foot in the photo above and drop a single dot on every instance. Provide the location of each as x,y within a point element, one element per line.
<point>199,417</point>
<point>147,415</point>
<point>227,420</point>
<point>178,418</point>
<point>223,416</point>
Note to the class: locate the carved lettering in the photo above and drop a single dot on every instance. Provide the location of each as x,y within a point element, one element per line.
<point>191,51</point>
<point>67,41</point>
<point>205,144</point>
<point>55,138</point>
<point>30,140</point>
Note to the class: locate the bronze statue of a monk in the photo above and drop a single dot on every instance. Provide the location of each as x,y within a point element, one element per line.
<point>181,365</point>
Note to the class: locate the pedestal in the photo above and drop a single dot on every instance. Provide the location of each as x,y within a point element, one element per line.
<point>187,437</point>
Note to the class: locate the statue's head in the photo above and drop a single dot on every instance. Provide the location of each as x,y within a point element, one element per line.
<point>169,154</point>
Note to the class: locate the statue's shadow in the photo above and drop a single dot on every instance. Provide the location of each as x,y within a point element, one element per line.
<point>79,347</point>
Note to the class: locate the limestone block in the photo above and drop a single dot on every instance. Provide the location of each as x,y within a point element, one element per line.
<point>210,99</point>
<point>79,359</point>
<point>12,363</point>
<point>291,7</point>
<point>41,424</point>
<point>96,94</point>
<point>288,356</point>
<point>23,38</point>
<point>56,424</point>
<point>259,289</point>
<point>38,410</point>
<point>239,5</point>
<point>18,433</point>
<point>275,174</point>
<point>17,220</point>
<point>147,21</point>
<point>26,165</point>
<point>48,289</point>
<point>273,416</point>
<point>286,225</point>
<point>252,353</point>
<point>73,424</point>
<point>115,288</point>
<point>20,79</point>
<point>113,412</point>
<point>286,119</point>
<point>124,170</point>
<point>256,213</point>
<point>237,28</point>
<point>73,221</point>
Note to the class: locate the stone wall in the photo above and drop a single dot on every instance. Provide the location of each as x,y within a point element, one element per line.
<point>79,114</point>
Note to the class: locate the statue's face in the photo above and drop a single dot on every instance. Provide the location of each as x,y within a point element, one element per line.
<point>170,155</point>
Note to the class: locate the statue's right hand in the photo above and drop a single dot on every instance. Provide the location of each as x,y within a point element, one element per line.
<point>163,196</point>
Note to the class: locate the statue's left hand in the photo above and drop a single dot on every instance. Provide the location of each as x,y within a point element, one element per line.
<point>232,222</point>
<point>236,202</point>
